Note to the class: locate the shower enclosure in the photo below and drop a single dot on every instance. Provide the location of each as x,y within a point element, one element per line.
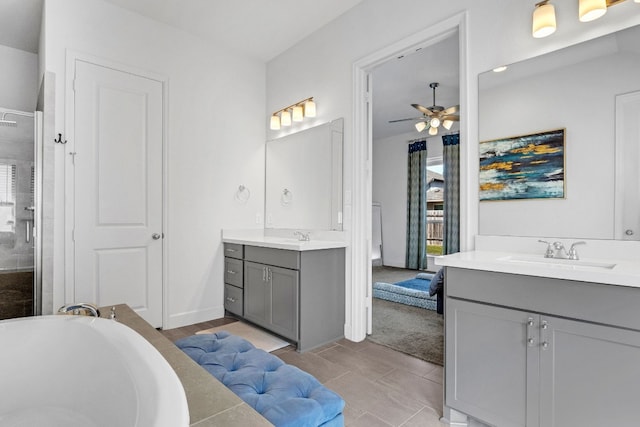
<point>20,289</point>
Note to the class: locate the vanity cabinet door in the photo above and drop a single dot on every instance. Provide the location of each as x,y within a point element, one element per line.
<point>284,302</point>
<point>492,363</point>
<point>590,374</point>
<point>271,298</point>
<point>256,293</point>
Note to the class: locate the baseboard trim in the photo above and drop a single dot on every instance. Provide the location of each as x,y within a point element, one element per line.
<point>179,320</point>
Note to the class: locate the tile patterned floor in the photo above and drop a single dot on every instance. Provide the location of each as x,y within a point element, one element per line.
<point>381,387</point>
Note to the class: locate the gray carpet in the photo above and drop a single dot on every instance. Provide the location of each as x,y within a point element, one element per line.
<point>409,329</point>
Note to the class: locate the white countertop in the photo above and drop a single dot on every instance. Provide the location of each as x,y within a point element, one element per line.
<point>623,272</point>
<point>278,242</point>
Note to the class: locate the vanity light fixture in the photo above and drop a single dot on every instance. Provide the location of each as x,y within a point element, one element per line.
<point>500,69</point>
<point>544,19</point>
<point>590,10</point>
<point>285,118</point>
<point>294,112</point>
<point>544,14</point>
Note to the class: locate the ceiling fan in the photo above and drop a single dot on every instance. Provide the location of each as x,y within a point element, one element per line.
<point>433,116</point>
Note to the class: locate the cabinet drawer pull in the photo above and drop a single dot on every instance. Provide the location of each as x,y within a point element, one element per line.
<point>231,299</point>
<point>230,250</point>
<point>545,345</point>
<point>530,322</point>
<point>530,341</point>
<point>231,272</point>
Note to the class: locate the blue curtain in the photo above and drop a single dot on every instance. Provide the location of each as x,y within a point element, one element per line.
<point>417,206</point>
<point>451,162</point>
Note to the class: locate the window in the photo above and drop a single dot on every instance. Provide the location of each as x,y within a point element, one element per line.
<point>435,206</point>
<point>7,197</point>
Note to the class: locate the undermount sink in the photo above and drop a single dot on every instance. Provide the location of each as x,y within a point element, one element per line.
<point>560,262</point>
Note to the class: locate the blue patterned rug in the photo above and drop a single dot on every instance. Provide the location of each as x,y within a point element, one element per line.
<point>413,292</point>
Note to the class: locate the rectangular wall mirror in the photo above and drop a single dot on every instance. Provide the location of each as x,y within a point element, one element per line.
<point>304,179</point>
<point>592,90</point>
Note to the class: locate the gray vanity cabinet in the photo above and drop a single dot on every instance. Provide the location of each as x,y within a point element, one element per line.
<point>512,360</point>
<point>271,298</point>
<point>298,295</point>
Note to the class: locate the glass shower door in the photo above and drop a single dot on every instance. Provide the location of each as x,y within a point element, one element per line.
<point>17,189</point>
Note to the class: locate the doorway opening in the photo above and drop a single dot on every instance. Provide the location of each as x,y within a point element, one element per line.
<point>367,144</point>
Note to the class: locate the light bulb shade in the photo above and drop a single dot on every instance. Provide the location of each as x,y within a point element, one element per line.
<point>433,131</point>
<point>544,20</point>
<point>435,122</point>
<point>275,123</point>
<point>297,113</point>
<point>589,10</point>
<point>420,126</point>
<point>310,108</point>
<point>447,124</point>
<point>285,118</point>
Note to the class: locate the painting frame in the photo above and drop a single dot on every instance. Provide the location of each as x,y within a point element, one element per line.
<point>523,167</point>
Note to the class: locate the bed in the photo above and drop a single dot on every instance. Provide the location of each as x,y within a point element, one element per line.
<point>413,292</point>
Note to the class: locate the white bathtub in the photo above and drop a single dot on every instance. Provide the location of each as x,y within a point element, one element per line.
<point>83,371</point>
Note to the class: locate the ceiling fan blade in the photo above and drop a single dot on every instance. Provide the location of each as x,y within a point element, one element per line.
<point>452,118</point>
<point>406,120</point>
<point>422,109</point>
<point>451,110</point>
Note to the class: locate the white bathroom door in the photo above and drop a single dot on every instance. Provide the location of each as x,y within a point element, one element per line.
<point>627,194</point>
<point>117,160</point>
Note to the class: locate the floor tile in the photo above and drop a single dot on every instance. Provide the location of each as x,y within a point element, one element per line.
<point>400,360</point>
<point>384,402</point>
<point>368,420</point>
<point>436,375</point>
<point>421,389</point>
<point>427,417</point>
<point>357,361</point>
<point>321,368</point>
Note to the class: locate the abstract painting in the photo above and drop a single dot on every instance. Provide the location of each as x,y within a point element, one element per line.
<point>523,167</point>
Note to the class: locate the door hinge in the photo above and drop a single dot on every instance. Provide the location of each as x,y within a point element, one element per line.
<point>73,235</point>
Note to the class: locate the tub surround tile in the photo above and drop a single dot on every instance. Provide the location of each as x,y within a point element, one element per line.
<point>210,402</point>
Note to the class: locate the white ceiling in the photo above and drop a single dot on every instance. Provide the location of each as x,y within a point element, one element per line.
<point>259,28</point>
<point>20,24</point>
<point>400,82</point>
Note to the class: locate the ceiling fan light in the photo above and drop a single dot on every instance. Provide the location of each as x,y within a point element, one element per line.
<point>589,10</point>
<point>447,124</point>
<point>275,123</point>
<point>297,113</point>
<point>433,131</point>
<point>309,108</point>
<point>285,118</point>
<point>435,122</point>
<point>544,20</point>
<point>420,126</point>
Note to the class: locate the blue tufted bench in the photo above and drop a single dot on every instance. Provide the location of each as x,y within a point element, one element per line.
<point>283,394</point>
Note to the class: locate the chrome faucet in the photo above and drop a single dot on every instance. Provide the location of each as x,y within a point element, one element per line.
<point>561,252</point>
<point>303,237</point>
<point>557,250</point>
<point>77,307</point>
<point>573,253</point>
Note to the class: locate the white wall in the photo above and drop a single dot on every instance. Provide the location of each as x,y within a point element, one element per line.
<point>215,141</point>
<point>19,83</point>
<point>497,32</point>
<point>389,177</point>
<point>562,98</point>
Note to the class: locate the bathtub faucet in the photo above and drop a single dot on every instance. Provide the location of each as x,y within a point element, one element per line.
<point>77,307</point>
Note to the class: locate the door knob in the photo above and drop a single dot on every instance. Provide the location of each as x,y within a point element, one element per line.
<point>629,232</point>
<point>156,236</point>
